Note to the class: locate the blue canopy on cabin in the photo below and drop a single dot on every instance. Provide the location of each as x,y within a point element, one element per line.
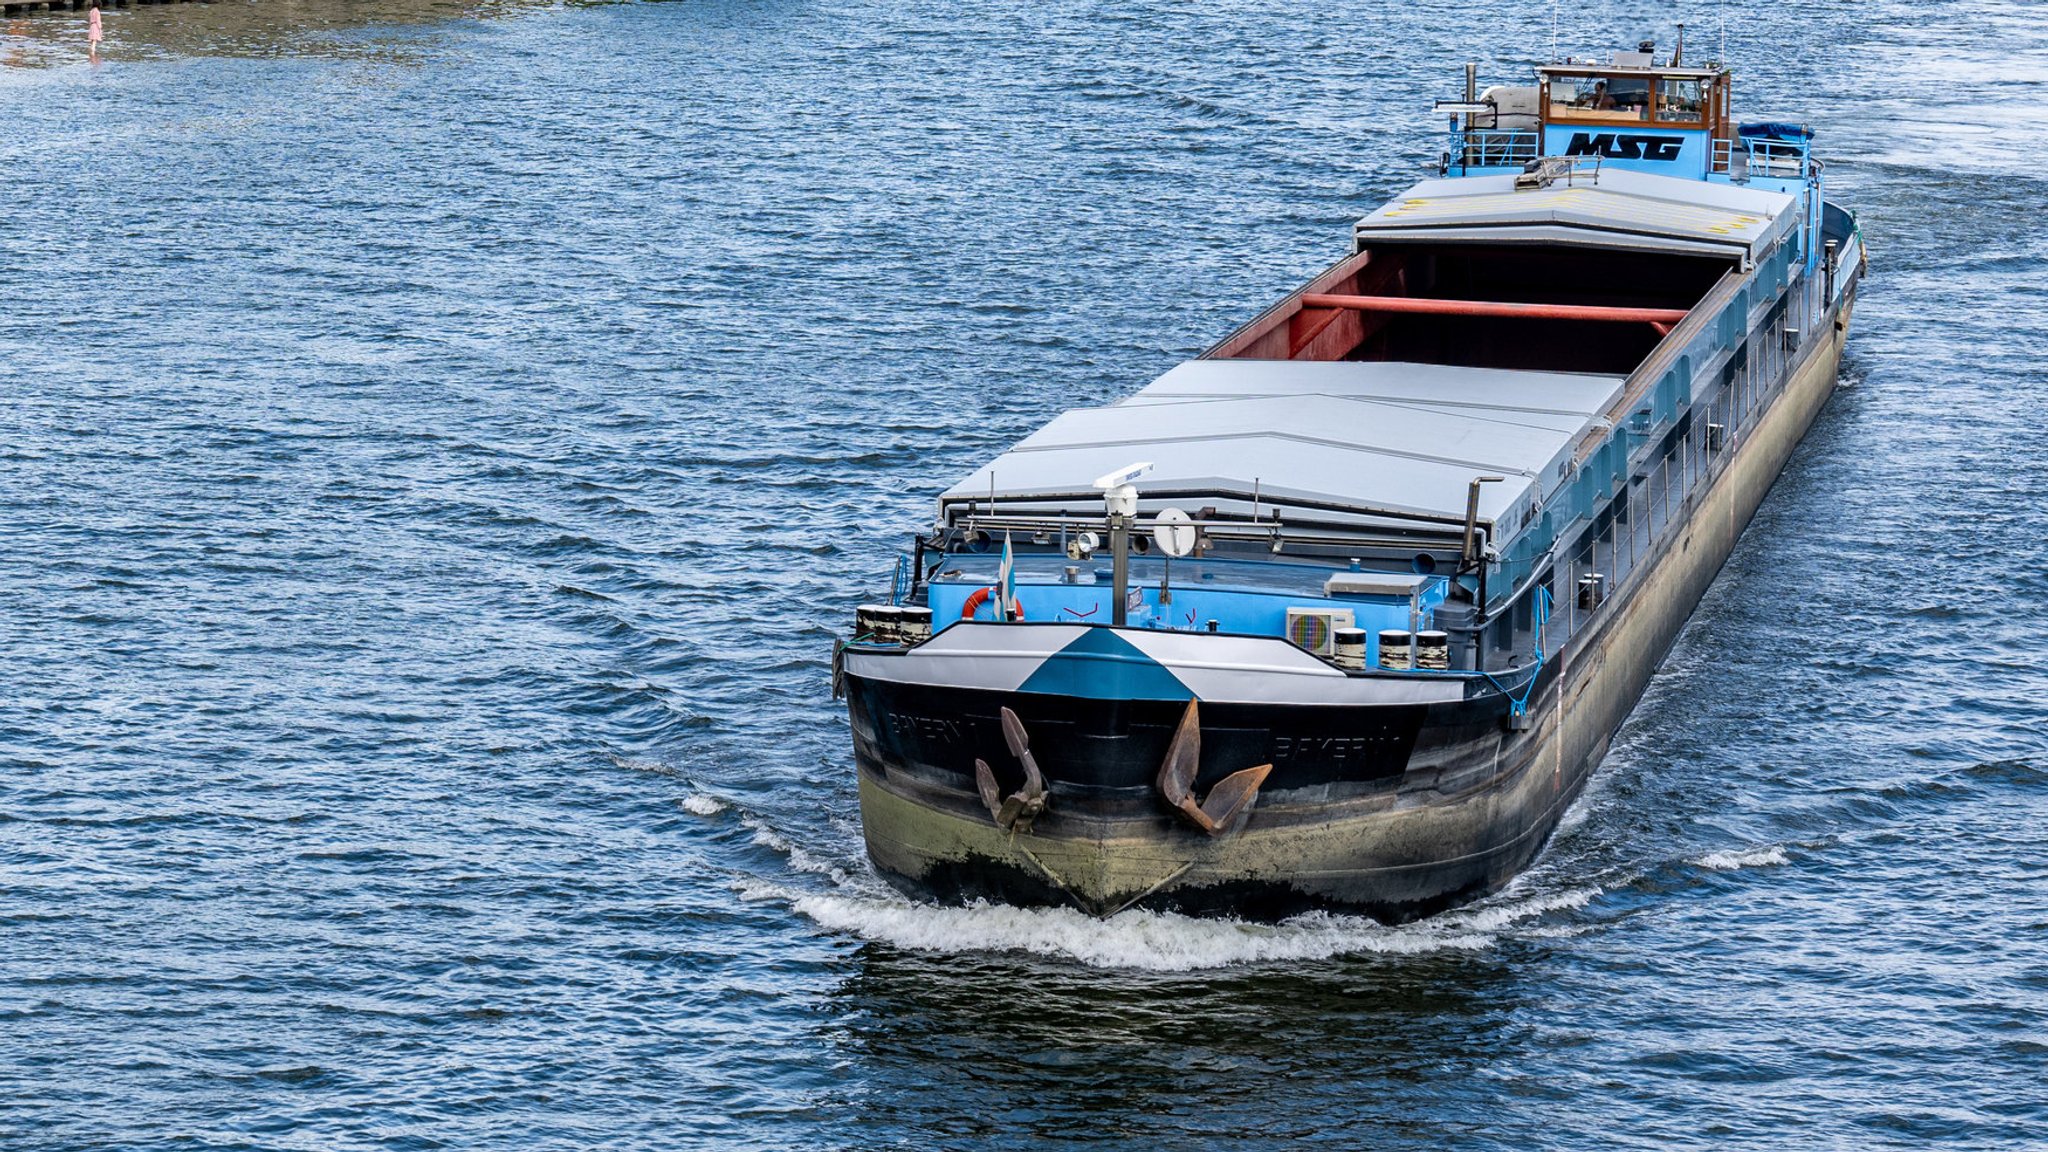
<point>1776,130</point>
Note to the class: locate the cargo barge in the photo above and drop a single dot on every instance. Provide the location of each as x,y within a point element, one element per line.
<point>1343,613</point>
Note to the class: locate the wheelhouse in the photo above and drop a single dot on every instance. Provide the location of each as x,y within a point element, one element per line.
<point>1631,111</point>
<point>1693,98</point>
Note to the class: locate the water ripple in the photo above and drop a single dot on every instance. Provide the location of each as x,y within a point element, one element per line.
<point>448,436</point>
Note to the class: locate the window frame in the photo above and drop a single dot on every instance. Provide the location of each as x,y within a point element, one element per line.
<point>1652,114</point>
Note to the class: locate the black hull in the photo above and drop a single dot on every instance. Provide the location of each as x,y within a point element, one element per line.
<point>960,882</point>
<point>1335,768</point>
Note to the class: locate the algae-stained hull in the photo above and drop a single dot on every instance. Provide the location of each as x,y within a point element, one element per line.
<point>1106,842</point>
<point>1393,809</point>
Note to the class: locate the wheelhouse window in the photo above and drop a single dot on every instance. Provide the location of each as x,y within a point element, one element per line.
<point>1595,97</point>
<point>1679,101</point>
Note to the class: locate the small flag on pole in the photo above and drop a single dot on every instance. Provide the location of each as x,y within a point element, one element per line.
<point>1006,583</point>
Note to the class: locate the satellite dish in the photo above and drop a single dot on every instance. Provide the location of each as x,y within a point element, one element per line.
<point>1174,532</point>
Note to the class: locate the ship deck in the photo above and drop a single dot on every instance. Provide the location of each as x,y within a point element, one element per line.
<point>1608,208</point>
<point>1483,328</point>
<point>1357,440</point>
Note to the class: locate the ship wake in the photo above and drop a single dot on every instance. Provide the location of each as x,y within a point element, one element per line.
<point>1154,941</point>
<point>845,896</point>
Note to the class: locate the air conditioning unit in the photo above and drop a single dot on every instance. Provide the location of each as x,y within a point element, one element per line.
<point>1316,628</point>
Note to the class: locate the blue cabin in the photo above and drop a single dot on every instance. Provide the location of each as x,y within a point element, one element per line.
<point>1633,112</point>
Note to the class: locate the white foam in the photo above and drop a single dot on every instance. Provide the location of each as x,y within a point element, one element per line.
<point>766,836</point>
<point>1511,908</point>
<point>799,859</point>
<point>1732,859</point>
<point>638,765</point>
<point>1148,941</point>
<point>1554,931</point>
<point>1152,941</point>
<point>860,904</point>
<point>698,804</point>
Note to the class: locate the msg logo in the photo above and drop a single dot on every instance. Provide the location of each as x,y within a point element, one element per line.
<point>1625,147</point>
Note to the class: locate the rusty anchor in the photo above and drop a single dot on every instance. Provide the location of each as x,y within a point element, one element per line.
<point>1015,812</point>
<point>1230,798</point>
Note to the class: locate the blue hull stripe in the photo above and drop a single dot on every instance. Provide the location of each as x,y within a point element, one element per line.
<point>1101,665</point>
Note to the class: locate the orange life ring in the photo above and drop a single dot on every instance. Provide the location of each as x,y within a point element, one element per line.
<point>977,598</point>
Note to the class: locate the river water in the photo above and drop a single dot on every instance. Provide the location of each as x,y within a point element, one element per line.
<point>442,443</point>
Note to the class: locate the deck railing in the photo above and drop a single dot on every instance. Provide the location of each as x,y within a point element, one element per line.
<point>1759,156</point>
<point>1489,148</point>
<point>1660,492</point>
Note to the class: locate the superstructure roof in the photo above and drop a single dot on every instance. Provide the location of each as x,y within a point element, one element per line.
<point>1366,439</point>
<point>1608,208</point>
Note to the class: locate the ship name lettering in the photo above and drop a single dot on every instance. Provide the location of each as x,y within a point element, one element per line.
<point>912,727</point>
<point>1622,146</point>
<point>1325,747</point>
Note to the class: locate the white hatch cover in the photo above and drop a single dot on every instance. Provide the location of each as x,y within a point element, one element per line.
<point>1609,209</point>
<point>1364,438</point>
